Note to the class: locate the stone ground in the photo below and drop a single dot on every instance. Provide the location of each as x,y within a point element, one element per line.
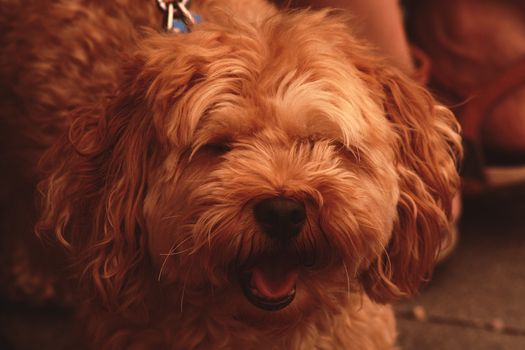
<point>476,299</point>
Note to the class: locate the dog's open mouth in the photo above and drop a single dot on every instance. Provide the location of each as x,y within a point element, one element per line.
<point>270,286</point>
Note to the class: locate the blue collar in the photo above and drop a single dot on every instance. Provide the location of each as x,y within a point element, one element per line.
<point>180,26</point>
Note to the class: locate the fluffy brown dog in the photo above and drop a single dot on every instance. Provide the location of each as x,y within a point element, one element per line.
<point>262,182</point>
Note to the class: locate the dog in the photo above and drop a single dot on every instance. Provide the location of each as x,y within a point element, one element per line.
<point>261,182</point>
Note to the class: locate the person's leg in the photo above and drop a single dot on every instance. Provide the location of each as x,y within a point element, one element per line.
<point>380,22</point>
<point>478,62</point>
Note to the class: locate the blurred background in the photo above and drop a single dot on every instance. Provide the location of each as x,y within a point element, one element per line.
<point>473,59</point>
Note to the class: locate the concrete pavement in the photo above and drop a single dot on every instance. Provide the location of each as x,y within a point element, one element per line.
<point>476,299</point>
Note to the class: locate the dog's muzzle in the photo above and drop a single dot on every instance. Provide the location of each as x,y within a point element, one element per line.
<point>270,284</point>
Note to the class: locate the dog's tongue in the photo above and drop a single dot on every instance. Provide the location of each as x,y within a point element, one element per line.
<point>274,282</point>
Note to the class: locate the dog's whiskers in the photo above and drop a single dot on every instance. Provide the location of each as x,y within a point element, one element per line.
<point>172,252</point>
<point>238,254</point>
<point>184,289</point>
<point>168,217</point>
<point>347,279</point>
<point>176,253</point>
<point>323,233</point>
<point>386,255</point>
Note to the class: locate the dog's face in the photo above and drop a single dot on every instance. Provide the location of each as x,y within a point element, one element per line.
<point>282,177</point>
<point>277,169</point>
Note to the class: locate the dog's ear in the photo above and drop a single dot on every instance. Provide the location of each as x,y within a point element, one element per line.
<point>93,187</point>
<point>94,183</point>
<point>428,148</point>
<point>427,152</point>
<point>95,177</point>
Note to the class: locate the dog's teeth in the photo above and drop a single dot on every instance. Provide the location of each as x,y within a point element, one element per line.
<point>291,292</point>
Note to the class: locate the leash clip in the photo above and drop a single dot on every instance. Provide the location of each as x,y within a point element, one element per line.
<point>179,8</point>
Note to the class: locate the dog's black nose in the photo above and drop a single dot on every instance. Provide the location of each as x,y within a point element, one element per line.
<point>280,217</point>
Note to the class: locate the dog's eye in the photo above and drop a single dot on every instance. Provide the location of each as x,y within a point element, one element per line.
<point>348,151</point>
<point>218,147</point>
<point>339,146</point>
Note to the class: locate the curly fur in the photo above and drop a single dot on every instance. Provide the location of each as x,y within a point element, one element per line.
<point>158,145</point>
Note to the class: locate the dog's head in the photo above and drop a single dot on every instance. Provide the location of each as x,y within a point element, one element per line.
<point>280,167</point>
